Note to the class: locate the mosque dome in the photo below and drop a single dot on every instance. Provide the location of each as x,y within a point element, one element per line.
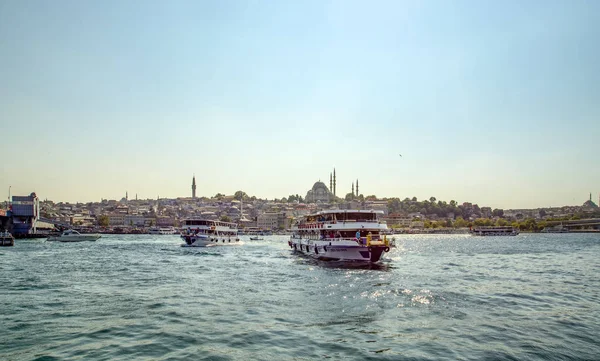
<point>319,185</point>
<point>319,192</point>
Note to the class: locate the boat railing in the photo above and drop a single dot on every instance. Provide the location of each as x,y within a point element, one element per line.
<point>319,224</point>
<point>362,239</point>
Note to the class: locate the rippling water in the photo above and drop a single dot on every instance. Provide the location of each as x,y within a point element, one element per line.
<point>444,297</point>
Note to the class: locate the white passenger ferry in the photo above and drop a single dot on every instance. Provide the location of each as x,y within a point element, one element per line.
<point>494,231</point>
<point>348,235</point>
<point>203,232</point>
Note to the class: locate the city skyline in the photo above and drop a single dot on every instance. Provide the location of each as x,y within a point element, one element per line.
<point>193,195</point>
<point>494,104</point>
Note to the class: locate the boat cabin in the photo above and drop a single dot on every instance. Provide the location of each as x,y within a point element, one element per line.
<point>205,226</point>
<point>70,232</point>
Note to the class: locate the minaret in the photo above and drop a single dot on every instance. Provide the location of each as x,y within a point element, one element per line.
<point>136,196</point>
<point>334,182</point>
<point>330,182</point>
<point>352,188</point>
<point>127,196</point>
<point>194,187</point>
<point>357,187</point>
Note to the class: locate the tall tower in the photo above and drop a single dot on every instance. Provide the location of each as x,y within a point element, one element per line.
<point>334,182</point>
<point>127,196</point>
<point>330,182</point>
<point>194,187</point>
<point>357,187</point>
<point>352,188</point>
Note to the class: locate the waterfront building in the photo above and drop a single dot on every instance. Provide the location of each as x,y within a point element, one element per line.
<point>268,220</point>
<point>377,205</point>
<point>417,224</point>
<point>25,212</point>
<point>398,219</point>
<point>164,221</point>
<point>122,209</point>
<point>135,220</point>
<point>80,219</point>
<point>116,220</point>
<point>486,212</point>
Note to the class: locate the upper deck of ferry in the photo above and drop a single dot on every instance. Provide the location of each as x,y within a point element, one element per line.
<point>341,220</point>
<point>208,223</point>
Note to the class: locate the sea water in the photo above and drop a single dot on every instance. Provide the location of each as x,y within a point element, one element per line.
<point>434,297</point>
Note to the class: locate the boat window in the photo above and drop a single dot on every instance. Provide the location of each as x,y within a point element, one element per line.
<point>359,217</point>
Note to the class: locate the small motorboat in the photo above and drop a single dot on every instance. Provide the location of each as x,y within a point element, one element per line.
<point>6,239</point>
<point>71,235</point>
<point>256,238</point>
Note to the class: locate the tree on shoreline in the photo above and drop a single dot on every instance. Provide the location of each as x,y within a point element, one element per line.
<point>103,221</point>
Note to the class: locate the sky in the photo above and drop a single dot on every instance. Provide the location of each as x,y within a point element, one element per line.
<point>491,102</point>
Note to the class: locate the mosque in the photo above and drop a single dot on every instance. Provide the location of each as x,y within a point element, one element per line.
<point>320,193</point>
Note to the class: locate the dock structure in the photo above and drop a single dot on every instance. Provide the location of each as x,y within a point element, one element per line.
<point>21,217</point>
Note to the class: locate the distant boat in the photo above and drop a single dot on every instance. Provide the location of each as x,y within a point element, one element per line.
<point>204,232</point>
<point>71,235</point>
<point>256,239</point>
<point>162,230</point>
<point>6,239</point>
<point>556,229</point>
<point>494,231</point>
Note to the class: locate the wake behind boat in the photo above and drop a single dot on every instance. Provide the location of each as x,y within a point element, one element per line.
<point>346,235</point>
<point>204,232</point>
<point>71,235</point>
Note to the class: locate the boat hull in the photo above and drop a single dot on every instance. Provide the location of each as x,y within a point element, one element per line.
<point>204,241</point>
<point>494,231</point>
<point>7,242</point>
<point>494,234</point>
<point>75,238</point>
<point>339,250</point>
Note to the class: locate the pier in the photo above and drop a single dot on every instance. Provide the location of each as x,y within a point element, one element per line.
<point>579,225</point>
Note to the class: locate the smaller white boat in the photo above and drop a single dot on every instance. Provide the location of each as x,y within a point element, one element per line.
<point>71,235</point>
<point>204,232</point>
<point>494,231</point>
<point>6,239</point>
<point>256,238</point>
<point>556,229</point>
<point>162,230</point>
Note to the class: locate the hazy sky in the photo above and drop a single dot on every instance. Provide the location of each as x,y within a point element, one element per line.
<point>493,102</point>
